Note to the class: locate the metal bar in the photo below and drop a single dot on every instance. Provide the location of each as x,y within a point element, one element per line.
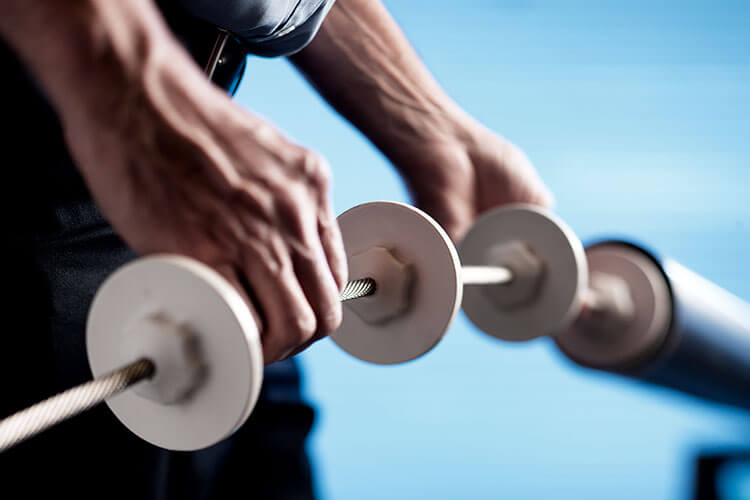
<point>35,419</point>
<point>486,275</point>
<point>39,417</point>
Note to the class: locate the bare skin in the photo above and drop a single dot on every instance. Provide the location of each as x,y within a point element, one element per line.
<point>455,168</point>
<point>177,167</point>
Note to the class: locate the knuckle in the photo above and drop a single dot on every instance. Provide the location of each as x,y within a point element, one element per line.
<point>322,173</point>
<point>289,334</point>
<point>314,168</point>
<point>287,201</point>
<point>273,347</point>
<point>293,214</point>
<point>331,317</point>
<point>265,133</point>
<point>301,327</point>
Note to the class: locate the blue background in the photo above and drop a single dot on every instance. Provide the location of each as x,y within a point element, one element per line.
<point>636,114</point>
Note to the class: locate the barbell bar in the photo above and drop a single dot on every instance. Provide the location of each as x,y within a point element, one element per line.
<point>525,276</point>
<point>201,344</point>
<point>685,333</point>
<point>630,311</point>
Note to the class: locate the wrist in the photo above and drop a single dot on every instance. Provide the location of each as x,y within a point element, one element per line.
<point>443,128</point>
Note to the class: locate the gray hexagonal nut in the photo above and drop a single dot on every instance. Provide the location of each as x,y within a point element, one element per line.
<point>393,277</point>
<point>610,306</point>
<point>174,349</point>
<point>528,274</point>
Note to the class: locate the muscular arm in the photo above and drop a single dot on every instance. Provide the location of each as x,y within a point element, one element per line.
<point>177,167</point>
<point>364,66</point>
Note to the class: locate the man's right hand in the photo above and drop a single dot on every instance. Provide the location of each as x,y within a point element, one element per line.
<point>177,167</point>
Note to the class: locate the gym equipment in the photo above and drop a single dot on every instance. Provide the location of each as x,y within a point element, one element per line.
<point>686,333</point>
<point>190,350</point>
<point>416,271</point>
<point>189,347</point>
<point>614,307</point>
<point>548,266</point>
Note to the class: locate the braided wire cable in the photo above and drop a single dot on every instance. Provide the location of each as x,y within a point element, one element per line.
<point>358,288</point>
<point>39,417</point>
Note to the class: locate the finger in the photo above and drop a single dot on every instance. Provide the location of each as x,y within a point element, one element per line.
<point>455,216</point>
<point>289,320</point>
<point>525,184</point>
<point>303,347</point>
<point>333,245</point>
<point>229,274</point>
<point>541,195</point>
<point>320,289</point>
<point>330,237</point>
<point>329,233</point>
<point>311,265</point>
<point>527,187</point>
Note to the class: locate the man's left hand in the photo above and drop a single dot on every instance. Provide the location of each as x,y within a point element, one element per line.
<point>457,177</point>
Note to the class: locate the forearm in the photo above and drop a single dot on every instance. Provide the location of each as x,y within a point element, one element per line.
<point>85,53</point>
<point>364,66</point>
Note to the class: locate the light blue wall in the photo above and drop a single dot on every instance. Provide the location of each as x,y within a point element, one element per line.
<point>637,115</point>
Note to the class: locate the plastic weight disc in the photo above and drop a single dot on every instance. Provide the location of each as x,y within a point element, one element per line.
<point>190,293</point>
<point>435,294</point>
<point>649,290</point>
<point>558,299</point>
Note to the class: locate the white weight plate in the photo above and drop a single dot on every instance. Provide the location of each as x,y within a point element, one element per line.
<point>558,299</point>
<point>646,332</point>
<point>189,293</point>
<point>435,294</point>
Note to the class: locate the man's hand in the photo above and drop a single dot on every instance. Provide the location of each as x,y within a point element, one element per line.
<point>455,168</point>
<point>177,167</point>
<point>456,179</point>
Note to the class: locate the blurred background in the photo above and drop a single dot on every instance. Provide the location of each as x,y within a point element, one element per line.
<point>637,114</point>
